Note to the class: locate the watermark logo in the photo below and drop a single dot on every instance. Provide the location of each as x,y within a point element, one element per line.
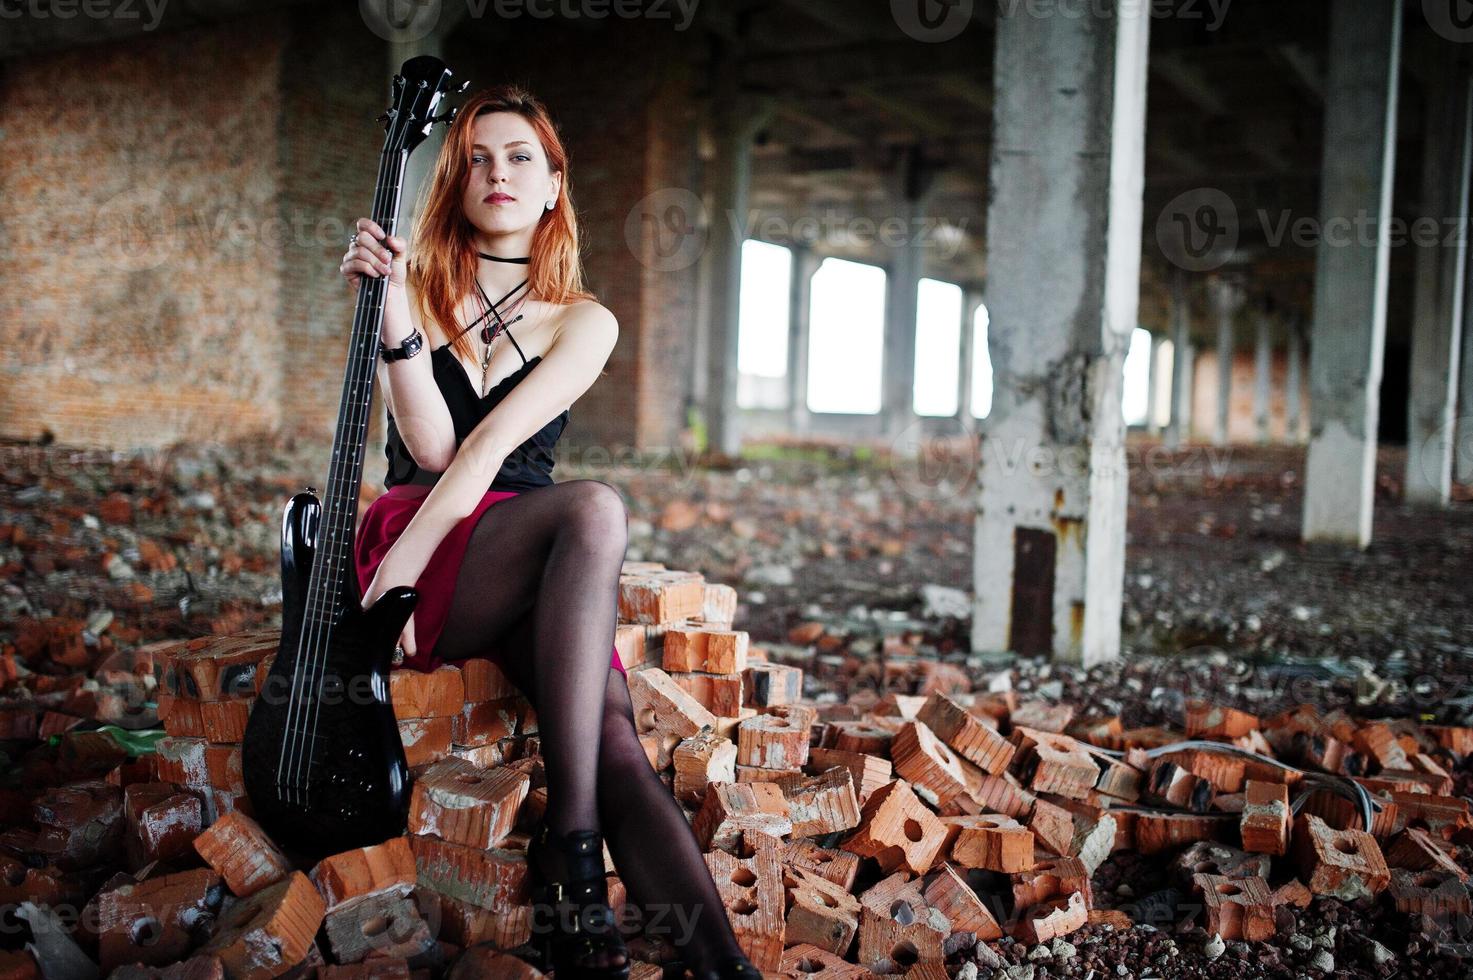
<point>90,9</point>
<point>136,231</point>
<point>1434,455</point>
<point>1451,19</point>
<point>400,21</point>
<point>926,468</point>
<point>666,230</point>
<point>933,21</point>
<point>1198,230</point>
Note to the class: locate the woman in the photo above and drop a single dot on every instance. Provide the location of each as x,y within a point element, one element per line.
<point>526,572</point>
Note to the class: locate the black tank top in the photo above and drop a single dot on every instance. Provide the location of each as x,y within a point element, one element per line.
<point>528,467</point>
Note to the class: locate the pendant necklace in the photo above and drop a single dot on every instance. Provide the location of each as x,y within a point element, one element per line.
<point>490,335</point>
<point>493,311</point>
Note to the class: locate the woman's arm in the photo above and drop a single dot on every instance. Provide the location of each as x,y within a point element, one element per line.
<point>568,369</point>
<point>419,409</point>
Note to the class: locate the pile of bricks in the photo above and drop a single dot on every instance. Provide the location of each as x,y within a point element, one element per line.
<point>845,839</point>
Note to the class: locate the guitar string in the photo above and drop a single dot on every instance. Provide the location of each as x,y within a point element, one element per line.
<point>359,375</point>
<point>313,644</point>
<point>315,651</point>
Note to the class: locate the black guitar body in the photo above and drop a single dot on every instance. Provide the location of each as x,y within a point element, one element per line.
<point>322,760</point>
<point>328,774</point>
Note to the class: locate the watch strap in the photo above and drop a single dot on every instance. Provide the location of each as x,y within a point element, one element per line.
<point>406,350</point>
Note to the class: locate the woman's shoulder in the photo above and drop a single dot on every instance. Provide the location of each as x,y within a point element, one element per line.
<point>586,316</point>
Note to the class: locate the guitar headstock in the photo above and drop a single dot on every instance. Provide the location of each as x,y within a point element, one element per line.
<point>414,96</point>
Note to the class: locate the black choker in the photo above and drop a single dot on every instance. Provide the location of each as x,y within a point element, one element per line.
<point>498,258</point>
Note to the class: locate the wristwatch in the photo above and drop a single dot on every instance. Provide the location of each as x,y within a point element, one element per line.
<point>409,348</point>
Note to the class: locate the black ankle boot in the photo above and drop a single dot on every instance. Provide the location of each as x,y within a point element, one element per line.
<point>571,918</point>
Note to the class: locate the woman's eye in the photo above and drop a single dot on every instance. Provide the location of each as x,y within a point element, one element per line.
<point>476,158</point>
<point>521,156</point>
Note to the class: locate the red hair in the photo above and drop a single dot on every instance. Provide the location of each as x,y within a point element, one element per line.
<point>442,263</point>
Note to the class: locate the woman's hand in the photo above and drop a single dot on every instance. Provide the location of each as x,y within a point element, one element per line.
<point>374,254</point>
<point>386,578</point>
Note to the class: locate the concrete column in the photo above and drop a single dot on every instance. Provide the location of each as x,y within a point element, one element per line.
<point>1064,247</point>
<point>1262,375</point>
<point>1227,299</point>
<point>1153,382</point>
<point>736,117</point>
<point>897,397</point>
<point>909,183</point>
<point>971,303</point>
<point>1293,396</point>
<point>1347,345</point>
<point>1189,392</point>
<point>1463,434</point>
<point>1437,318</point>
<point>800,297</point>
<point>1178,426</point>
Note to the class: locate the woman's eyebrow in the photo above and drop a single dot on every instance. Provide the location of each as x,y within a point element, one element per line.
<point>478,146</point>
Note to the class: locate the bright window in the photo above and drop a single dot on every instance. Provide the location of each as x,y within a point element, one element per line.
<point>981,366</point>
<point>762,325</point>
<point>938,347</point>
<point>1136,392</point>
<point>847,327</point>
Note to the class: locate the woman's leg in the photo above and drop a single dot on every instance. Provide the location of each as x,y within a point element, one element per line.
<point>652,843</point>
<point>554,552</point>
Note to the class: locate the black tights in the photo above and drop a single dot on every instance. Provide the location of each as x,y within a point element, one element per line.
<point>540,580</point>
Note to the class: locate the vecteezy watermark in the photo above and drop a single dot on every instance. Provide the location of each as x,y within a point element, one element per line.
<point>934,21</point>
<point>90,9</point>
<point>682,12</point>
<point>83,462</point>
<point>1198,230</point>
<point>145,227</point>
<point>857,231</point>
<point>400,21</point>
<point>667,229</point>
<point>669,920</point>
<point>931,469</point>
<point>406,21</point>
<point>1445,448</point>
<point>1214,12</point>
<point>1451,19</point>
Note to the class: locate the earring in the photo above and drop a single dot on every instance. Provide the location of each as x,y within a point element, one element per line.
<point>549,205</point>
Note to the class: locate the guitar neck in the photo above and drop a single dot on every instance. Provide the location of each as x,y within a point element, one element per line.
<point>334,579</point>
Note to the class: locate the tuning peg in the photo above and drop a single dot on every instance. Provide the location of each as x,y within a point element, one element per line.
<point>463,86</point>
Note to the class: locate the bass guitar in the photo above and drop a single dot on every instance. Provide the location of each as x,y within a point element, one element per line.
<point>323,763</point>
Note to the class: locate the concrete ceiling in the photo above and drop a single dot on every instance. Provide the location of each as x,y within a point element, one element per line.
<point>1236,106</point>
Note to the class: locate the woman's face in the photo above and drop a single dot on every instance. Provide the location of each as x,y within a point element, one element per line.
<point>510,182</point>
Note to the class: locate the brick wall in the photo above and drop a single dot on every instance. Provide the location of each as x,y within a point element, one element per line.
<point>136,309</point>
<point>334,83</point>
<point>1242,427</point>
<point>177,206</point>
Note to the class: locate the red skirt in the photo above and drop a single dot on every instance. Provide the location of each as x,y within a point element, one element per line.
<point>380,526</point>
